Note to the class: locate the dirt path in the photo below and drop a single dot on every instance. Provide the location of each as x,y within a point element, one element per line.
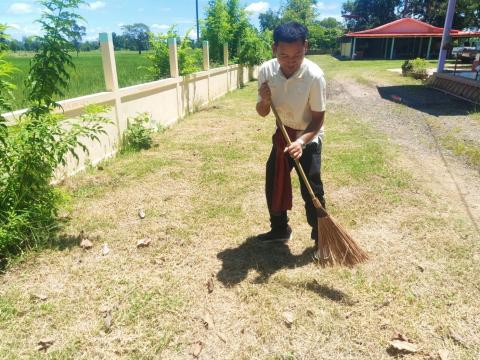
<point>415,118</point>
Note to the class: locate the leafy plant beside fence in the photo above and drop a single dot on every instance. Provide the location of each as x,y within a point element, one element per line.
<point>32,151</point>
<point>415,68</point>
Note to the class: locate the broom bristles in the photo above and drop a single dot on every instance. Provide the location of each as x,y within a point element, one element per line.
<point>335,245</point>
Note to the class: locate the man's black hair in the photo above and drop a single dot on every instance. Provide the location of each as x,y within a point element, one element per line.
<point>290,32</point>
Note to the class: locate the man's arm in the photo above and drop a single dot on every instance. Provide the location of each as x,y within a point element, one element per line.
<point>296,149</point>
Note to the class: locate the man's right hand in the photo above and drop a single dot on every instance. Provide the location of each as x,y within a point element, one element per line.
<point>265,93</point>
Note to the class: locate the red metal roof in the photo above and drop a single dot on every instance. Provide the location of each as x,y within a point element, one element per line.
<point>408,27</point>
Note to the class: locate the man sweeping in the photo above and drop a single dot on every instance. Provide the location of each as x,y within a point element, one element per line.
<point>296,87</point>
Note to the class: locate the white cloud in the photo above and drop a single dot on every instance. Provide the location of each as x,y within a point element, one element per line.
<point>14,26</point>
<point>20,8</point>
<point>258,7</point>
<point>94,5</point>
<point>160,26</point>
<point>322,6</point>
<point>32,30</point>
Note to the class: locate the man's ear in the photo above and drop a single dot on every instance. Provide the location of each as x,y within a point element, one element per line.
<point>305,46</point>
<point>274,49</point>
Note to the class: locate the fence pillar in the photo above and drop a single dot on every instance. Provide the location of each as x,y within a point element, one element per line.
<point>173,57</point>
<point>225,54</point>
<point>206,55</point>
<point>110,75</point>
<point>225,63</point>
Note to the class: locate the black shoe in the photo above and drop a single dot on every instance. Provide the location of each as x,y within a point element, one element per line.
<point>276,235</point>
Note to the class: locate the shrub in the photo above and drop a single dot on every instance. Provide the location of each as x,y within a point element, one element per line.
<point>138,135</point>
<point>415,68</point>
<point>31,153</point>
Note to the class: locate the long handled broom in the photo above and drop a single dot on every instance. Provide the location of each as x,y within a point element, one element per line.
<point>334,245</point>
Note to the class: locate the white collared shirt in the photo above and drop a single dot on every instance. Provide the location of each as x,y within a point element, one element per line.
<point>296,97</point>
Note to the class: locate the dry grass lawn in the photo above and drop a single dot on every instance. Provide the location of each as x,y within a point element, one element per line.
<point>204,284</point>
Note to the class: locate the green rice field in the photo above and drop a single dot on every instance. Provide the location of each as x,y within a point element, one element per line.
<point>87,78</point>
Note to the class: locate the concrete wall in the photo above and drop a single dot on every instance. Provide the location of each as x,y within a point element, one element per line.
<point>165,100</point>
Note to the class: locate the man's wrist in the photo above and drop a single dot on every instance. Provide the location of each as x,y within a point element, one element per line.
<point>301,142</point>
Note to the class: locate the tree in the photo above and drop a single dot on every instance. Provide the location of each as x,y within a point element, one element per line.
<point>302,11</point>
<point>366,14</point>
<point>467,12</point>
<point>79,33</point>
<point>217,28</point>
<point>269,20</point>
<point>330,23</point>
<point>136,36</point>
<point>238,26</point>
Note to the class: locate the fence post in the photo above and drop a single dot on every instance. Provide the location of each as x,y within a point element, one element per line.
<point>206,55</point>
<point>110,75</point>
<point>206,65</point>
<point>225,54</point>
<point>225,63</point>
<point>172,55</point>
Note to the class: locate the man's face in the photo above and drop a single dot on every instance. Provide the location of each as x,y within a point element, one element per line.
<point>290,55</point>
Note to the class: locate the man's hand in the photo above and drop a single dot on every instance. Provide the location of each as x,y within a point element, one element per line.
<point>295,150</point>
<point>265,93</point>
<point>263,106</point>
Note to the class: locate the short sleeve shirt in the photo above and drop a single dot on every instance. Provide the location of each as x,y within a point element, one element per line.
<point>296,97</point>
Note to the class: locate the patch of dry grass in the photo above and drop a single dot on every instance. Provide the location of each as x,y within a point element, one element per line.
<point>201,187</point>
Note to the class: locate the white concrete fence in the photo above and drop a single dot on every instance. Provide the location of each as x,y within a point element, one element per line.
<point>165,100</point>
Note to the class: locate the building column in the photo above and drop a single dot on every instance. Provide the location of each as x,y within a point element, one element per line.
<point>354,43</point>
<point>446,35</point>
<point>386,48</point>
<point>391,48</point>
<point>429,47</point>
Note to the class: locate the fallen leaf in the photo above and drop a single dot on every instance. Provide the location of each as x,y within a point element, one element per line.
<point>41,297</point>
<point>221,337</point>
<point>107,321</point>
<point>105,249</point>
<point>208,320</point>
<point>288,317</point>
<point>143,243</point>
<point>421,268</point>
<point>44,344</point>
<point>443,354</point>
<point>141,214</point>
<point>86,244</point>
<point>210,285</point>
<point>197,349</point>
<point>457,338</point>
<point>310,313</point>
<point>403,346</point>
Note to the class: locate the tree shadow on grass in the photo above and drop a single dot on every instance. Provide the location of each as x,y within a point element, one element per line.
<point>267,259</point>
<point>427,100</point>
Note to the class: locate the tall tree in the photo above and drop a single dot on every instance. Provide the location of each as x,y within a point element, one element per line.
<point>136,36</point>
<point>79,33</point>
<point>366,14</point>
<point>302,11</point>
<point>217,28</point>
<point>467,12</point>
<point>269,20</point>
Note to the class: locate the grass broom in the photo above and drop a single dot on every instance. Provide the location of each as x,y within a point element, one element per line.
<point>334,245</point>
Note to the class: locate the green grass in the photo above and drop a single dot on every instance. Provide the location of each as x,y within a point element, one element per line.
<point>461,147</point>
<point>87,78</point>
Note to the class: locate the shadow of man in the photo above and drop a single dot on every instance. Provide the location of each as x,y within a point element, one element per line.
<point>266,259</point>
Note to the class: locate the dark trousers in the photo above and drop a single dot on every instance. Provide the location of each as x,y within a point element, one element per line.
<point>311,163</point>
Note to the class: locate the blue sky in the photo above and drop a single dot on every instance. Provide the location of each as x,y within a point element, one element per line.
<point>109,15</point>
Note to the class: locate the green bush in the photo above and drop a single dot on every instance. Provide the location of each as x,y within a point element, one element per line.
<point>189,58</point>
<point>415,68</point>
<point>138,135</point>
<point>33,149</point>
<point>255,48</point>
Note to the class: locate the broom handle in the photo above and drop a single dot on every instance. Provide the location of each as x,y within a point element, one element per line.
<point>315,200</point>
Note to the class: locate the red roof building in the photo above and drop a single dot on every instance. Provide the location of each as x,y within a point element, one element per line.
<point>399,39</point>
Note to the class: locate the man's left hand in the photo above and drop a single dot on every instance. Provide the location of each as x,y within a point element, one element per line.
<point>295,150</point>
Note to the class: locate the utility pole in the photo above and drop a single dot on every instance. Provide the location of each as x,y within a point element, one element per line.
<point>198,25</point>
